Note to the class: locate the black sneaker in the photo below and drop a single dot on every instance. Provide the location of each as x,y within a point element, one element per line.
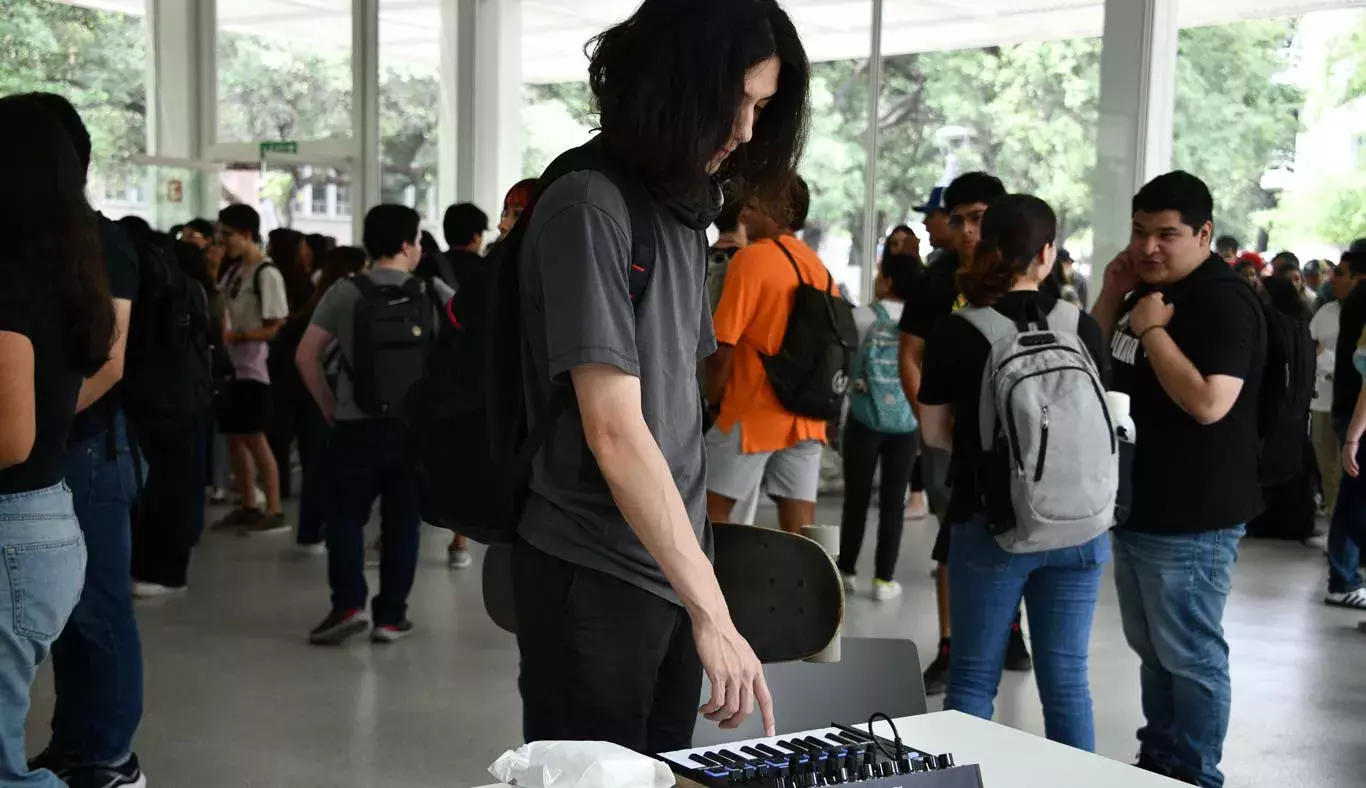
<point>266,524</point>
<point>338,626</point>
<point>1148,763</point>
<point>237,518</point>
<point>53,763</point>
<point>126,775</point>
<point>937,674</point>
<point>1017,654</point>
<point>392,633</point>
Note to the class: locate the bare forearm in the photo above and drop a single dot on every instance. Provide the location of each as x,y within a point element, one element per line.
<point>909,360</point>
<point>99,384</point>
<point>1358,425</point>
<point>1179,378</point>
<point>644,489</point>
<point>719,367</point>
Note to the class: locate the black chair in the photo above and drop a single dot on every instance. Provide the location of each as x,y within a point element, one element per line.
<point>873,675</point>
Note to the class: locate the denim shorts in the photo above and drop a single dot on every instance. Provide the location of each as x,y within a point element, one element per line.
<point>44,561</point>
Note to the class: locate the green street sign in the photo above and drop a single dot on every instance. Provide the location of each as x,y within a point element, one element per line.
<point>278,147</point>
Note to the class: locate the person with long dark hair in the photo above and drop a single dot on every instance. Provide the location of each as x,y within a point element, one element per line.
<point>337,265</point>
<point>97,660</point>
<point>56,329</point>
<point>687,94</point>
<point>1015,256</point>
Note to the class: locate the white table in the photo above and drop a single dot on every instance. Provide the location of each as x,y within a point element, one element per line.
<point>1014,759</point>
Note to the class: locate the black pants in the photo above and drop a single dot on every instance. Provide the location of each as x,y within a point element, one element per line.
<point>366,460</point>
<point>293,417</point>
<point>169,516</point>
<point>863,448</point>
<point>602,660</point>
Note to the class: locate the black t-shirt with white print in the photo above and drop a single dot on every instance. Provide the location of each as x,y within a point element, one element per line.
<point>1190,478</point>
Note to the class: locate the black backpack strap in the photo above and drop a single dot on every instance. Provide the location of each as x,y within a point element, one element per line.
<point>366,286</point>
<point>792,260</point>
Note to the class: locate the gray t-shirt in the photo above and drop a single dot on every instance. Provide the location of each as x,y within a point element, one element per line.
<point>336,314</point>
<point>577,311</point>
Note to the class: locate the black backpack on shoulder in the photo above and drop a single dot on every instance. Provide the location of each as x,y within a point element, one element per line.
<point>168,371</point>
<point>810,373</point>
<point>467,417</point>
<point>392,331</point>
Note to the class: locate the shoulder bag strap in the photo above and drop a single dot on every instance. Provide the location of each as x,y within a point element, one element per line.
<point>795,268</point>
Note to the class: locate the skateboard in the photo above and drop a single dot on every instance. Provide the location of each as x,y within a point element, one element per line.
<point>783,591</point>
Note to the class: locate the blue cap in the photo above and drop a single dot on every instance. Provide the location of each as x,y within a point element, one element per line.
<point>935,203</point>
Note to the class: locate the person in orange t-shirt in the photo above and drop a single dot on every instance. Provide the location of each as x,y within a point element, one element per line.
<point>756,440</point>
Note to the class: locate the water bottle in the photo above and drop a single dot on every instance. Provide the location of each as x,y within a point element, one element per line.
<point>1126,437</point>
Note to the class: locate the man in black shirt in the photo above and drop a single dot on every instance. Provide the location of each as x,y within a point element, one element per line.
<point>933,296</point>
<point>1345,587</point>
<point>97,660</point>
<point>1188,345</point>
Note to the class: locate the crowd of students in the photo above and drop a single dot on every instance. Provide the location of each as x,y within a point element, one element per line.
<point>129,354</point>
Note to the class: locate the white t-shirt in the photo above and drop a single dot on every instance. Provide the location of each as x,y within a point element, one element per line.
<point>248,310</point>
<point>865,317</point>
<point>1324,329</point>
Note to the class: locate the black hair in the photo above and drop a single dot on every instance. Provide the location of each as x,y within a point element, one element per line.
<point>1227,243</point>
<point>318,243</point>
<point>243,219</point>
<point>463,223</point>
<point>136,227</point>
<point>1284,297</point>
<point>799,200</point>
<point>1177,191</point>
<point>191,260</point>
<point>669,83</point>
<point>1286,266</point>
<point>202,226</point>
<point>973,187</point>
<point>1015,229</point>
<point>1284,258</point>
<point>428,243</point>
<point>283,248</point>
<point>1247,265</point>
<point>174,232</point>
<point>887,245</point>
<point>1356,263</point>
<point>728,221</point>
<point>51,260</point>
<point>342,262</point>
<point>388,227</point>
<point>901,270</point>
<point>70,119</point>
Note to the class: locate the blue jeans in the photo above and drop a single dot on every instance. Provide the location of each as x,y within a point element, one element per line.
<point>367,460</point>
<point>1347,527</point>
<point>1172,591</point>
<point>97,662</point>
<point>42,572</point>
<point>1059,588</point>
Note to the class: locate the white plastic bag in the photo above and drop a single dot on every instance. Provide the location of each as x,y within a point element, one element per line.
<point>579,764</point>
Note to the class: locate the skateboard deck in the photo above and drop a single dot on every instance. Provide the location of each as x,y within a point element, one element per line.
<point>783,590</point>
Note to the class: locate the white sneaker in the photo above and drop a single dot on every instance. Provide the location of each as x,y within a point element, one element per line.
<point>884,590</point>
<point>311,550</point>
<point>850,583</point>
<point>143,590</point>
<point>459,559</point>
<point>1356,600</point>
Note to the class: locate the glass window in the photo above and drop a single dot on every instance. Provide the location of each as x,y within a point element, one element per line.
<point>284,70</point>
<point>410,105</point>
<point>98,60</point>
<point>310,199</point>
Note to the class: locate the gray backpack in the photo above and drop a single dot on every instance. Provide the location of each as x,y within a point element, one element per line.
<point>1050,460</point>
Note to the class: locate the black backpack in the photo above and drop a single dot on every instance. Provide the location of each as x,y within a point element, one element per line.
<point>810,373</point>
<point>167,367</point>
<point>392,331</point>
<point>467,418</point>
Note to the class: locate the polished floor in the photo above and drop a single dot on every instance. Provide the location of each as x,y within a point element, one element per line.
<point>235,698</point>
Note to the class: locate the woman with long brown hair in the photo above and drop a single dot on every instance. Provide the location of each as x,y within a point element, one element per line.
<point>1016,255</point>
<point>56,328</point>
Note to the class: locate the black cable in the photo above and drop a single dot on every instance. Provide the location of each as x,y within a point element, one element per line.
<point>896,735</point>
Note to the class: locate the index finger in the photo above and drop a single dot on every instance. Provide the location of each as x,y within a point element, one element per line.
<point>762,695</point>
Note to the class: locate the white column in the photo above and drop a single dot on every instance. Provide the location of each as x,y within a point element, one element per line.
<point>871,231</point>
<point>457,100</point>
<point>175,85</point>
<point>1137,103</point>
<point>497,92</point>
<point>365,177</point>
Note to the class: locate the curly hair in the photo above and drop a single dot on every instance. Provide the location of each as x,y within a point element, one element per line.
<point>1014,230</point>
<point>52,257</point>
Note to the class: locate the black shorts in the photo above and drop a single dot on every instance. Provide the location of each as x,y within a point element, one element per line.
<point>244,408</point>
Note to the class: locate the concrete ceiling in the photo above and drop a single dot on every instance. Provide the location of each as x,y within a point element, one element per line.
<point>554,31</point>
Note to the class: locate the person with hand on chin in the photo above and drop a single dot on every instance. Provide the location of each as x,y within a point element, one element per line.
<point>1188,345</point>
